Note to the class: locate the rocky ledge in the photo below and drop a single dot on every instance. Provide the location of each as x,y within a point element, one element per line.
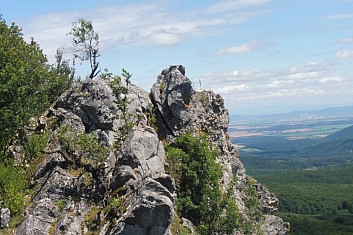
<point>123,188</point>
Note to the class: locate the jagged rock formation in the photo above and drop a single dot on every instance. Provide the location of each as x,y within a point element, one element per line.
<point>183,110</point>
<point>125,190</point>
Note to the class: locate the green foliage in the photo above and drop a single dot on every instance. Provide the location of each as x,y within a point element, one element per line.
<point>177,228</point>
<point>191,161</point>
<point>321,191</point>
<point>85,43</point>
<point>35,144</point>
<point>60,204</point>
<point>116,202</point>
<point>12,187</point>
<point>121,90</point>
<point>82,148</point>
<point>28,85</point>
<point>254,208</point>
<point>319,225</point>
<point>318,199</point>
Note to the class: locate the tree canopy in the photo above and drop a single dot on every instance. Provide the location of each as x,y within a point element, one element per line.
<point>28,84</point>
<point>85,44</point>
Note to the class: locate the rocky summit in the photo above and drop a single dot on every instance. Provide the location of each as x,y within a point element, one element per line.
<point>101,168</point>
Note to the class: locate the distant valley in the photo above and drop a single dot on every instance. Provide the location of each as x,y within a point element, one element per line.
<point>306,159</point>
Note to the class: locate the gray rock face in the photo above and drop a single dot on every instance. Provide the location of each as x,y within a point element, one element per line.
<point>275,225</point>
<point>92,102</point>
<point>39,221</point>
<point>150,201</point>
<point>150,210</point>
<point>183,110</point>
<point>70,199</point>
<point>130,192</point>
<point>143,150</point>
<point>4,217</point>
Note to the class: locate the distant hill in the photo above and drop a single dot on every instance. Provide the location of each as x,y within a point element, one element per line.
<point>340,142</point>
<point>346,133</point>
<point>343,111</point>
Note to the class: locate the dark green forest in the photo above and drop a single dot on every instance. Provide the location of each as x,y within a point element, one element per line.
<point>313,179</point>
<point>315,201</point>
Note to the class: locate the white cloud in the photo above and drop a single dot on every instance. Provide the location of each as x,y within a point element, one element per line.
<point>247,47</point>
<point>276,84</point>
<point>233,88</point>
<point>165,39</point>
<point>230,5</point>
<point>340,16</point>
<point>333,79</point>
<point>344,54</point>
<point>304,75</point>
<point>297,81</point>
<point>150,23</point>
<point>346,40</point>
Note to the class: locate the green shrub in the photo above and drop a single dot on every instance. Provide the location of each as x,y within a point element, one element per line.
<point>28,85</point>
<point>191,160</point>
<point>82,148</point>
<point>120,91</point>
<point>12,187</point>
<point>35,144</point>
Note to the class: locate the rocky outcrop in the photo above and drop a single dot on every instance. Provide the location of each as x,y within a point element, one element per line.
<point>182,110</point>
<point>124,188</point>
<point>73,195</point>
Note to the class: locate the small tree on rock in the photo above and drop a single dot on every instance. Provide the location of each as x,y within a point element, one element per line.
<point>85,44</point>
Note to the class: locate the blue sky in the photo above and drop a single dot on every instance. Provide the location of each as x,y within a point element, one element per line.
<point>262,56</point>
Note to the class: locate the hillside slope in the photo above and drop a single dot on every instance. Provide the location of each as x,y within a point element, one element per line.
<point>338,143</point>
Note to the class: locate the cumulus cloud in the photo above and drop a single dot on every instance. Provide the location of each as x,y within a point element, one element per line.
<point>149,23</point>
<point>334,79</point>
<point>165,39</point>
<point>344,54</point>
<point>295,81</point>
<point>247,47</point>
<point>230,5</point>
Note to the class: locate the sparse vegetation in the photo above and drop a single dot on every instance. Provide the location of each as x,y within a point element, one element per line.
<point>12,187</point>
<point>121,90</point>
<point>35,144</point>
<point>82,149</point>
<point>85,44</point>
<point>200,198</point>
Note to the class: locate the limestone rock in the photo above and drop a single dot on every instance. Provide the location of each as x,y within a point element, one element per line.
<point>182,110</point>
<point>92,102</point>
<point>39,220</point>
<point>149,210</point>
<point>4,217</point>
<point>275,225</point>
<point>130,192</point>
<point>143,150</point>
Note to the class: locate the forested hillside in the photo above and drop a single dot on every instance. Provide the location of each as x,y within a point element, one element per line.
<point>312,176</point>
<point>315,201</point>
